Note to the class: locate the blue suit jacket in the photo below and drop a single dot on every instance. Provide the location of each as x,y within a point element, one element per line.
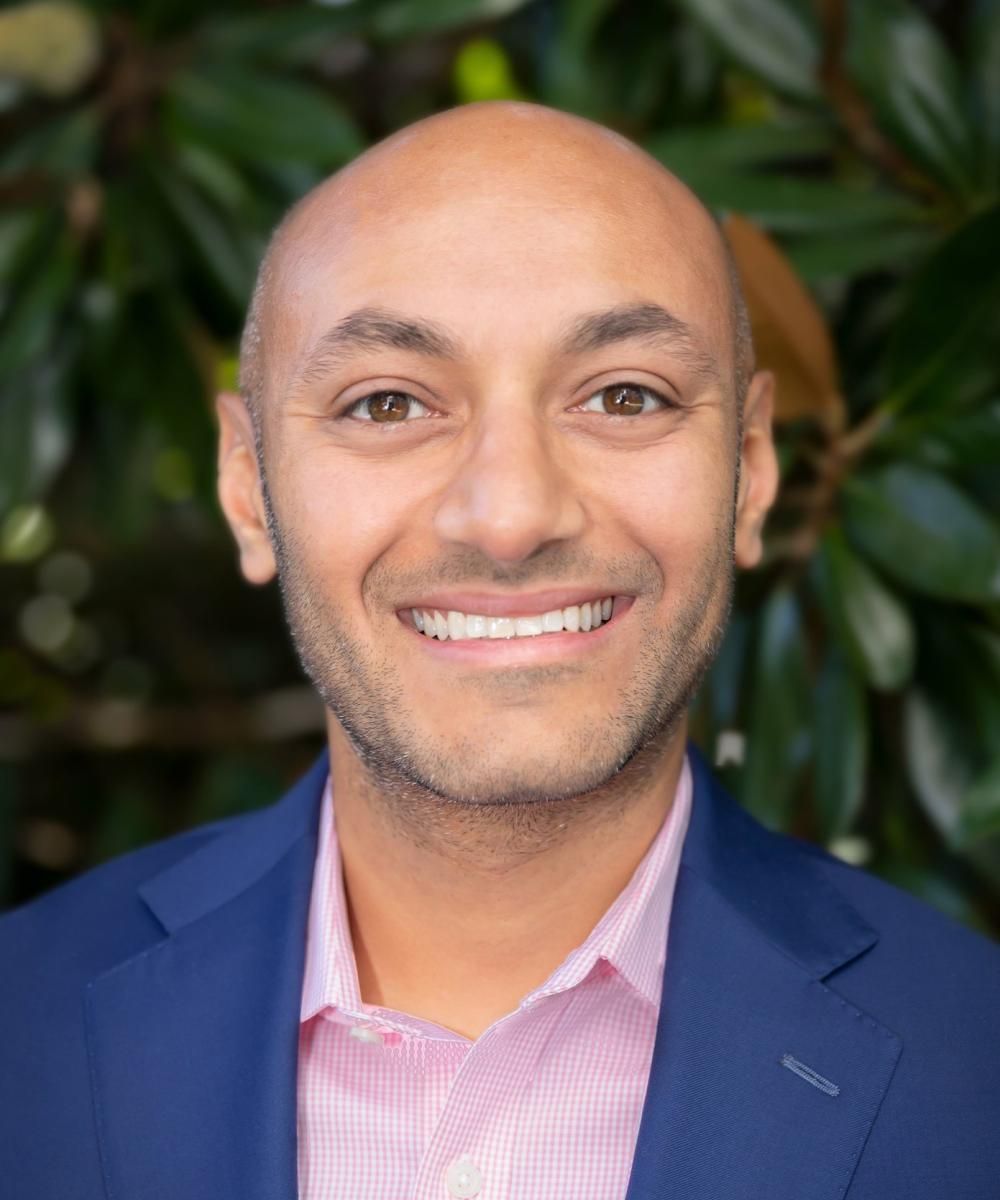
<point>149,1020</point>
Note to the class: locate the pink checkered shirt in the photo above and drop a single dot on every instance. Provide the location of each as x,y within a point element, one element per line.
<point>544,1103</point>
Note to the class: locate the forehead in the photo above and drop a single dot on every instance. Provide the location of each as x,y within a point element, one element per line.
<point>503,245</point>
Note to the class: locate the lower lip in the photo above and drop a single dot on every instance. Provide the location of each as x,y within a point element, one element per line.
<point>515,651</point>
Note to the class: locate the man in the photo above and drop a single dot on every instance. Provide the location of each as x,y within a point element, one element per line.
<point>500,438</point>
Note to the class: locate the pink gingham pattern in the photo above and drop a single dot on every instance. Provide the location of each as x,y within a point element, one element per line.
<point>545,1103</point>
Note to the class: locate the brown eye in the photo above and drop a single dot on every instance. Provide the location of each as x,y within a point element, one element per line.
<point>626,400</point>
<point>384,408</point>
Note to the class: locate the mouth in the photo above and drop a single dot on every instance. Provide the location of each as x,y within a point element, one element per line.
<point>452,624</point>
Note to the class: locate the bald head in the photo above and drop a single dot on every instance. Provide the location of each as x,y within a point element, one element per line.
<point>507,155</point>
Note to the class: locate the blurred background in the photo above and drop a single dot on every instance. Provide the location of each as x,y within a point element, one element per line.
<point>852,148</point>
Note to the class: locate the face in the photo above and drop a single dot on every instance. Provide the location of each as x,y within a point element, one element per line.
<point>500,409</point>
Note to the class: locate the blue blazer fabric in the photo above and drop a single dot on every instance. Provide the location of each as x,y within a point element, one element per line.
<point>821,1034</point>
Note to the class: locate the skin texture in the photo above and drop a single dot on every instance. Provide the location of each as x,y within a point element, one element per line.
<point>491,808</point>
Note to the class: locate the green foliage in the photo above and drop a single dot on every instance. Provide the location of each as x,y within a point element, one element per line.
<point>143,682</point>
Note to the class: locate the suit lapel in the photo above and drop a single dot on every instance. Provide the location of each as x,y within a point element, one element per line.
<point>764,1081</point>
<point>193,1042</point>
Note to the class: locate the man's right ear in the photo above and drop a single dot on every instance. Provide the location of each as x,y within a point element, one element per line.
<point>240,490</point>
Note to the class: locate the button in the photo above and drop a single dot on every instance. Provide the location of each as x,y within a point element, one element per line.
<point>464,1179</point>
<point>365,1034</point>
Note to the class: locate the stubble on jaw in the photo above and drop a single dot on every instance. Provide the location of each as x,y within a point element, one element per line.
<point>415,795</point>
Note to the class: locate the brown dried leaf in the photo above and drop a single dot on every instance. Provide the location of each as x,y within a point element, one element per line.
<point>790,333</point>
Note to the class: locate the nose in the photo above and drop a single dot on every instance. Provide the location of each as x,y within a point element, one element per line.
<point>513,490</point>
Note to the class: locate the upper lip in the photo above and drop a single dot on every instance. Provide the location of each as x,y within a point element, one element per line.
<point>495,604</point>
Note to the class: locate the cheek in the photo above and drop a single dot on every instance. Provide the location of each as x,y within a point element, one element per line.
<point>675,500</point>
<point>341,519</point>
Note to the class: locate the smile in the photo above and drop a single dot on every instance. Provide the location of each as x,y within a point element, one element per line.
<point>459,626</point>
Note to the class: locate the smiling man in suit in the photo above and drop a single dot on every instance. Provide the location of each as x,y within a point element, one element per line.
<point>500,438</point>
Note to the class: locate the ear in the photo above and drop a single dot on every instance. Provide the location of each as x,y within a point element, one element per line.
<point>758,470</point>
<point>240,490</point>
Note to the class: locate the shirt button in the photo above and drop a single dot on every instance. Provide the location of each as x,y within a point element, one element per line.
<point>364,1034</point>
<point>464,1179</point>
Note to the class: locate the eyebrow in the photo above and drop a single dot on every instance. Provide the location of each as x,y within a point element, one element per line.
<point>369,328</point>
<point>649,323</point>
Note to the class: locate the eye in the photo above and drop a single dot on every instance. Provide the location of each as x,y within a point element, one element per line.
<point>626,400</point>
<point>385,408</point>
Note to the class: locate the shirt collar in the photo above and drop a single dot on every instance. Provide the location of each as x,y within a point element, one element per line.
<point>631,937</point>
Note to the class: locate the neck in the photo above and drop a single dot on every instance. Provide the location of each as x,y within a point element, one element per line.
<point>457,911</point>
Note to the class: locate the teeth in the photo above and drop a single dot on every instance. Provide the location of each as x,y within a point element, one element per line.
<point>552,622</point>
<point>458,626</point>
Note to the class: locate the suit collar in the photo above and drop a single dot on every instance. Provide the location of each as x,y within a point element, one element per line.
<point>193,1043</point>
<point>239,856</point>
<point>775,885</point>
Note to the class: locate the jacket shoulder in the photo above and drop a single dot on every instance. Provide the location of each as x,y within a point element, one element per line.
<point>94,919</point>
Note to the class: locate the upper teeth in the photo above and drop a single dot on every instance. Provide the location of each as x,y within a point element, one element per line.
<point>455,625</point>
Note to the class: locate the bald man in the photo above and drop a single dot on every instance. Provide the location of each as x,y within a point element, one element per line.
<point>500,439</point>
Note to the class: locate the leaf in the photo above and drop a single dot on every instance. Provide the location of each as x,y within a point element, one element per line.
<point>871,621</point>
<point>284,37</point>
<point>939,769</point>
<point>254,117</point>
<point>229,260</point>
<point>35,432</point>
<point>404,18</point>
<point>714,147</point>
<point>953,301</point>
<point>789,204</point>
<point>924,532</point>
<point>779,735</point>
<point>773,39</point>
<point>983,42</point>
<point>790,333</point>
<point>841,740</point>
<point>906,73</point>
<point>980,808</point>
<point>36,308</point>
<point>847,254</point>
<point>63,147</point>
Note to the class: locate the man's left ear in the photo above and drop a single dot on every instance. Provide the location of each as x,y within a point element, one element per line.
<point>758,470</point>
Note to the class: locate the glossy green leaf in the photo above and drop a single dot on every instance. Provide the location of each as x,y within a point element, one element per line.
<point>34,312</point>
<point>774,39</point>
<point>404,18</point>
<point>940,766</point>
<point>252,116</point>
<point>779,735</point>
<point>923,531</point>
<point>950,308</point>
<point>791,204</point>
<point>230,258</point>
<point>847,254</point>
<point>980,809</point>
<point>873,623</point>
<point>690,151</point>
<point>905,71</point>
<point>984,54</point>
<point>285,37</point>
<point>35,428</point>
<point>841,745</point>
